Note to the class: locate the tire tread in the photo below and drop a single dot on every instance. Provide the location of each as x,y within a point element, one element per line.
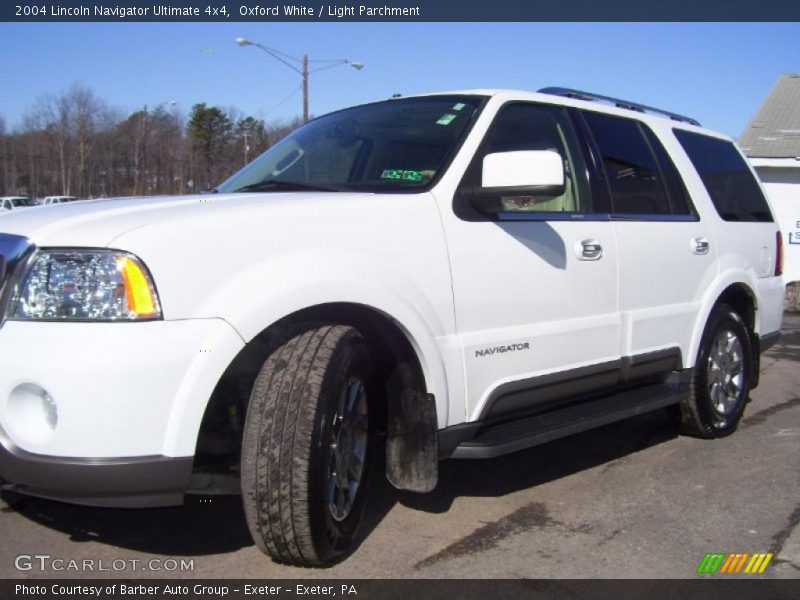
<point>283,415</point>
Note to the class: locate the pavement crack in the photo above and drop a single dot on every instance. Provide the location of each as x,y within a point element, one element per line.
<point>609,537</point>
<point>489,536</point>
<point>765,414</point>
<point>778,561</point>
<point>530,516</point>
<point>779,539</point>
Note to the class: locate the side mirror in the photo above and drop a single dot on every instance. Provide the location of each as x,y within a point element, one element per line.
<point>537,173</point>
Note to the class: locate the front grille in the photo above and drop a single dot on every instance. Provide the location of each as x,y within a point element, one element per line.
<point>14,249</point>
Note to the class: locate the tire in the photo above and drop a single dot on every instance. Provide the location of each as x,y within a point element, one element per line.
<point>720,384</point>
<point>307,423</point>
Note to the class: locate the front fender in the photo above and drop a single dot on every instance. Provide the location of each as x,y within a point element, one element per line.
<point>280,286</point>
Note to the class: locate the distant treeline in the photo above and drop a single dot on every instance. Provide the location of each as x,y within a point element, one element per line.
<point>77,144</point>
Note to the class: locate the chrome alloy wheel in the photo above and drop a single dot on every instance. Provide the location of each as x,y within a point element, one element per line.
<point>348,448</point>
<point>725,372</point>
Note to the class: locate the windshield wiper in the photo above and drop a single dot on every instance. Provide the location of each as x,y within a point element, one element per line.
<point>274,184</point>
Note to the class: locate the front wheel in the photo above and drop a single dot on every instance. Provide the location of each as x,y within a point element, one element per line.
<point>720,383</point>
<point>307,446</point>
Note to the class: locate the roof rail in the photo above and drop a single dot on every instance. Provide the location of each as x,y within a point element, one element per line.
<point>578,95</point>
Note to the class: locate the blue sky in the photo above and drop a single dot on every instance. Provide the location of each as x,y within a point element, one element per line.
<point>716,73</point>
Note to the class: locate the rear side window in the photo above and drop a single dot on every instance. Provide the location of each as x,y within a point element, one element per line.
<point>678,196</point>
<point>730,183</point>
<point>633,174</point>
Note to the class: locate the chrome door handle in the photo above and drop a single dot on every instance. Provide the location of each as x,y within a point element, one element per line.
<point>589,249</point>
<point>700,245</point>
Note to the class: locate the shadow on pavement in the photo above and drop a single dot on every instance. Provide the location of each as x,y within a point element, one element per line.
<point>789,346</point>
<point>203,525</point>
<point>555,460</point>
<point>207,525</point>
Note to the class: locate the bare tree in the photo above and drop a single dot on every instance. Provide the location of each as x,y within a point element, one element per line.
<point>74,142</point>
<point>86,112</point>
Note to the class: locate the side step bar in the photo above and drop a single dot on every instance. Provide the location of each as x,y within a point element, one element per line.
<point>488,440</point>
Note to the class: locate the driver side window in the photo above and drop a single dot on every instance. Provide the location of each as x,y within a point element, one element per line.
<point>521,126</point>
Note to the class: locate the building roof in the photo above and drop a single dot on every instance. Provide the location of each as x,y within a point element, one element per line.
<point>774,132</point>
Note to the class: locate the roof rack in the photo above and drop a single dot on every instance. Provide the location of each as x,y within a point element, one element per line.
<point>578,95</point>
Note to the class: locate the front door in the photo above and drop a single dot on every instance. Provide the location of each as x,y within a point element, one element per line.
<point>535,287</point>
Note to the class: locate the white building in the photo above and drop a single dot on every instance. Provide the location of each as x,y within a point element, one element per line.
<point>772,143</point>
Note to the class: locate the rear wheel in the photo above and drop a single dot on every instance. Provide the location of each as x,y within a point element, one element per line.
<point>307,446</point>
<point>721,380</point>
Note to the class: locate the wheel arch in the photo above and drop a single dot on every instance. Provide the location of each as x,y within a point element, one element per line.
<point>398,356</point>
<point>740,295</point>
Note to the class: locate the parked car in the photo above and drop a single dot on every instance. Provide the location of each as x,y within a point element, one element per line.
<point>58,199</point>
<point>11,202</point>
<point>455,275</point>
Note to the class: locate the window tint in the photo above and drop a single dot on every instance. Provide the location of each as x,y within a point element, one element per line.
<point>732,187</point>
<point>678,196</point>
<point>522,126</point>
<point>397,145</point>
<point>633,175</point>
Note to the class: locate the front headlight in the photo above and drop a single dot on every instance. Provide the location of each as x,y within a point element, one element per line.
<point>86,285</point>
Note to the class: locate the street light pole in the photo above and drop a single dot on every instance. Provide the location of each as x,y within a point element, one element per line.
<point>303,71</point>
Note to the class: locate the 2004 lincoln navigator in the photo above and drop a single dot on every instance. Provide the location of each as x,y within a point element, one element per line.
<point>452,275</point>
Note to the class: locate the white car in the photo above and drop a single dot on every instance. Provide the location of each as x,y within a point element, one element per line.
<point>453,275</point>
<point>8,203</point>
<point>57,199</point>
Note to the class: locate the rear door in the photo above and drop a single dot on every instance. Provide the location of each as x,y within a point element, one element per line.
<point>667,257</point>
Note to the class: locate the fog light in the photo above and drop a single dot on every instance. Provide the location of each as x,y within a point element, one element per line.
<point>32,414</point>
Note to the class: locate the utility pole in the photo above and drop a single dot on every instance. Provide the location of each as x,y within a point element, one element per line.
<point>144,152</point>
<point>305,88</point>
<point>139,157</point>
<point>303,70</point>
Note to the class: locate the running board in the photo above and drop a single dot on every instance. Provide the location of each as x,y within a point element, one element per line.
<point>486,440</point>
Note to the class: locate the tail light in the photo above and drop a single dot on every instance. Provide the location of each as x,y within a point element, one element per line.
<point>778,254</point>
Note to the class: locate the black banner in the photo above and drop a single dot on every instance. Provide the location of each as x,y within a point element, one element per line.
<point>399,10</point>
<point>539,589</point>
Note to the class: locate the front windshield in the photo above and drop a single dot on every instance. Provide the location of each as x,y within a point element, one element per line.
<point>17,202</point>
<point>395,145</point>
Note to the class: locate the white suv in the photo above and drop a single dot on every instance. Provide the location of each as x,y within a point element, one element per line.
<point>48,200</point>
<point>454,275</point>
<point>8,203</point>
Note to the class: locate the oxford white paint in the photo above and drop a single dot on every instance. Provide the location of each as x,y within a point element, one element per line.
<point>522,168</point>
<point>228,266</point>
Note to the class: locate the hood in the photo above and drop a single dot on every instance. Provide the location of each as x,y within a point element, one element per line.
<point>97,223</point>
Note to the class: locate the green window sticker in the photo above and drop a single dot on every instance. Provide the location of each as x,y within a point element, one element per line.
<point>446,119</point>
<point>459,106</point>
<point>412,175</point>
<point>392,174</point>
<point>401,174</point>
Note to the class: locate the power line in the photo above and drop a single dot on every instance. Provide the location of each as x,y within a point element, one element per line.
<point>284,101</point>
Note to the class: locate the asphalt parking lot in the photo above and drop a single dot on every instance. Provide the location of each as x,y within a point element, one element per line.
<point>631,500</point>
